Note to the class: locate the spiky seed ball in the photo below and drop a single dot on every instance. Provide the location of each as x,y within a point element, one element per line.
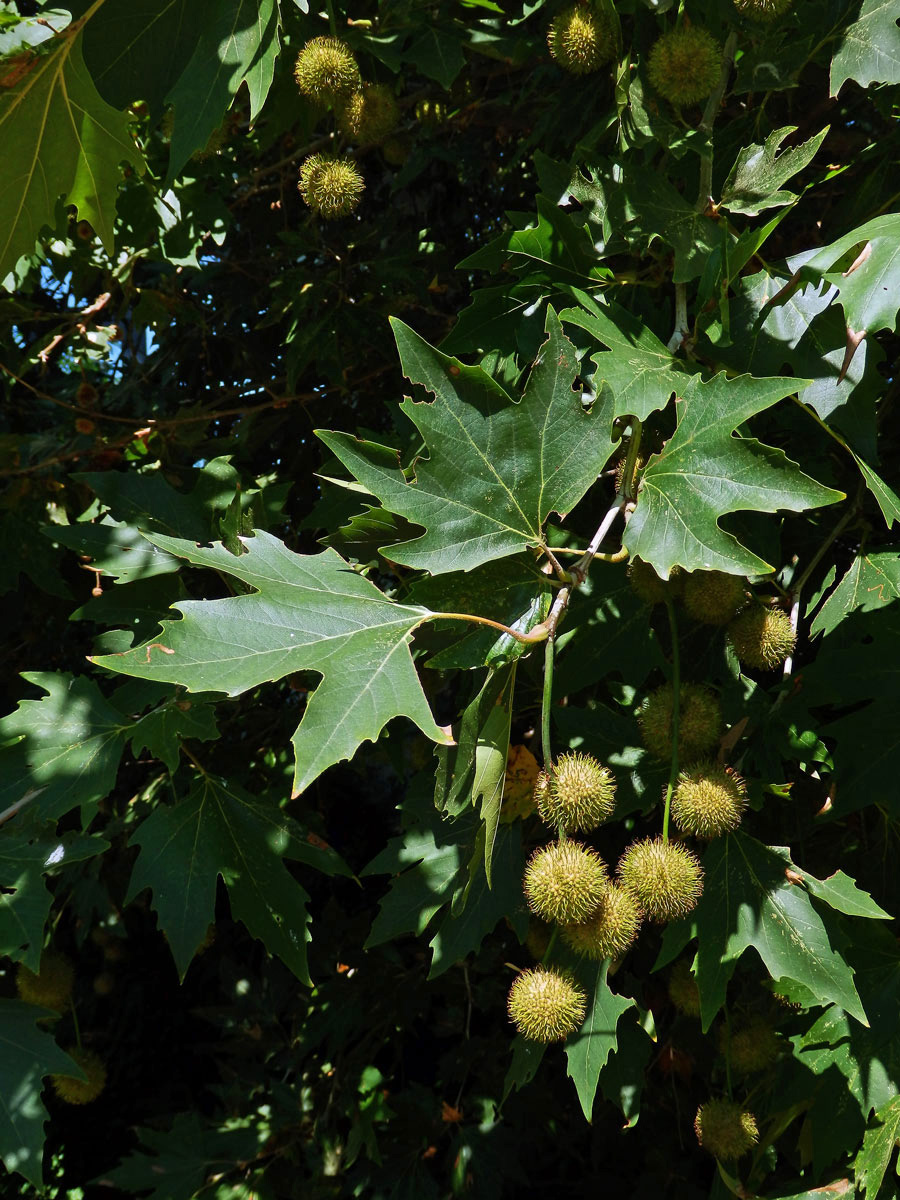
<point>725,1129</point>
<point>565,882</point>
<point>683,990</point>
<point>645,583</point>
<point>326,70</point>
<point>330,186</point>
<point>712,596</point>
<point>369,114</point>
<point>86,396</point>
<point>81,1091</point>
<point>664,878</point>
<point>685,65</point>
<point>545,1006</point>
<point>610,931</point>
<point>52,986</point>
<point>752,1048</point>
<point>581,39</point>
<point>699,722</point>
<point>709,800</point>
<point>762,10</point>
<point>762,637</point>
<point>580,793</point>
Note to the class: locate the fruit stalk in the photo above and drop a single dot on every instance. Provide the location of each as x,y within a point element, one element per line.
<point>676,687</point>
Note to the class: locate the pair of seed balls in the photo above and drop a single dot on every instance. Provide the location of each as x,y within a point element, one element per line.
<point>762,637</point>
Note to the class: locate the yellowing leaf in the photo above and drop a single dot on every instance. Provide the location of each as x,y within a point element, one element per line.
<point>59,138</point>
<point>518,786</point>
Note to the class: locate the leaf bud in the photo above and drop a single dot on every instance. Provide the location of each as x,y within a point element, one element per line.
<point>709,800</point>
<point>581,39</point>
<point>762,637</point>
<point>565,882</point>
<point>610,931</point>
<point>545,1005</point>
<point>725,1129</point>
<point>685,65</point>
<point>664,878</point>
<point>578,794</point>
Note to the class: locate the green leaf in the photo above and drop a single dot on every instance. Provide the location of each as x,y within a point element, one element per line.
<point>525,1059</point>
<point>638,368</point>
<point>622,1079</point>
<point>663,212</point>
<point>491,753</point>
<point>705,472</point>
<point>759,171</point>
<point>220,830</point>
<point>68,143</point>
<point>872,581</point>
<point>749,901</point>
<point>870,50</point>
<point>840,892</point>
<point>497,469</point>
<point>887,498</point>
<point>588,1050</point>
<point>238,44</point>
<point>461,933</point>
<point>63,750</point>
<point>162,730</point>
<point>550,248</point>
<point>878,1148</point>
<point>864,266</point>
<point>306,611</point>
<point>437,53</point>
<point>28,853</point>
<point>27,1054</point>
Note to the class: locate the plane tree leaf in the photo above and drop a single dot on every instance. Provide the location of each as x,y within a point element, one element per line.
<point>62,751</point>
<point>497,469</point>
<point>870,49</point>
<point>872,581</point>
<point>27,1054</point>
<point>589,1048</point>
<point>67,142</point>
<point>878,1148</point>
<point>220,830</point>
<point>756,178</point>
<point>305,612</point>
<point>755,897</point>
<point>704,472</point>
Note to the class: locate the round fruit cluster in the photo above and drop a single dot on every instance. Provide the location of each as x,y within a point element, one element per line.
<point>761,636</point>
<point>328,75</point>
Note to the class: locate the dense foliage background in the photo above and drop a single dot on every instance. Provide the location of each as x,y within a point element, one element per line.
<point>287,952</point>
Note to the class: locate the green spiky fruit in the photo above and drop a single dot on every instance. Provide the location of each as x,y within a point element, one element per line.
<point>752,1048</point>
<point>330,186</point>
<point>565,882</point>
<point>762,10</point>
<point>545,1006</point>
<point>52,986</point>
<point>762,637</point>
<point>685,65</point>
<point>646,584</point>
<point>81,1091</point>
<point>683,990</point>
<point>610,931</point>
<point>725,1129</point>
<point>709,800</point>
<point>369,114</point>
<point>699,722</point>
<point>581,39</point>
<point>578,794</point>
<point>326,70</point>
<point>664,878</point>
<point>712,596</point>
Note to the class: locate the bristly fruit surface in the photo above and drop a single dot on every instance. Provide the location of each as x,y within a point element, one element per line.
<point>369,114</point>
<point>330,186</point>
<point>81,1091</point>
<point>581,39</point>
<point>664,878</point>
<point>699,722</point>
<point>610,931</point>
<point>763,10</point>
<point>725,1129</point>
<point>326,71</point>
<point>751,1048</point>
<point>685,65</point>
<point>52,986</point>
<point>565,882</point>
<point>709,800</point>
<point>762,637</point>
<point>683,990</point>
<point>713,597</point>
<point>545,1006</point>
<point>579,794</point>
